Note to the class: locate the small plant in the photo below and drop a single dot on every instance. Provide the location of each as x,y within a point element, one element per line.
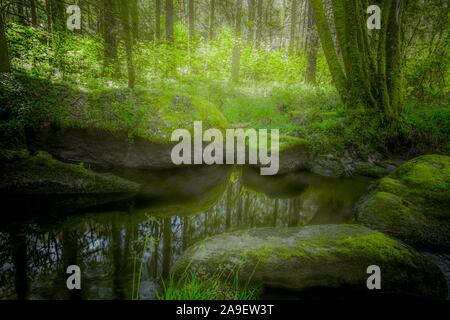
<point>217,287</point>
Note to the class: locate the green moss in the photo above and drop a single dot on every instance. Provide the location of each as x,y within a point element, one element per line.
<point>370,171</point>
<point>413,203</point>
<point>41,174</point>
<point>427,177</point>
<point>376,245</point>
<point>392,186</point>
<point>150,114</point>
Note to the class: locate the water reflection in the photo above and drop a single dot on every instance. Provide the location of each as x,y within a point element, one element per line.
<point>172,214</point>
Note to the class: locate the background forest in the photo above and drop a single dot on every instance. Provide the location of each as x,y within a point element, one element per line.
<point>260,62</point>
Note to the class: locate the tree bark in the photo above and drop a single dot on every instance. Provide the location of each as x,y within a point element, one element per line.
<point>191,21</point>
<point>293,25</point>
<point>125,16</point>
<point>313,47</point>
<point>169,21</point>
<point>5,64</point>
<point>357,86</point>
<point>236,59</point>
<point>259,22</point>
<point>212,19</point>
<point>158,21</point>
<point>110,63</point>
<point>33,13</point>
<point>135,19</point>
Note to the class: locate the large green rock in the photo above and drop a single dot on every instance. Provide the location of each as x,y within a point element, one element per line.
<point>413,203</point>
<point>42,175</point>
<point>321,256</point>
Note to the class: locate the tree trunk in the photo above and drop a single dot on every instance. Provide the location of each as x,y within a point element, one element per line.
<point>191,22</point>
<point>169,21</point>
<point>125,16</point>
<point>167,246</point>
<point>313,46</point>
<point>21,12</point>
<point>135,20</point>
<point>110,63</point>
<point>259,22</point>
<point>211,19</point>
<point>158,21</point>
<point>33,13</point>
<point>236,59</point>
<point>355,82</point>
<point>293,25</point>
<point>251,21</point>
<point>5,65</point>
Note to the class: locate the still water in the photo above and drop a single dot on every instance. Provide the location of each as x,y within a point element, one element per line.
<point>40,237</point>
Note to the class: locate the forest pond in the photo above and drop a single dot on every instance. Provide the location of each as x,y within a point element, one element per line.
<point>176,209</point>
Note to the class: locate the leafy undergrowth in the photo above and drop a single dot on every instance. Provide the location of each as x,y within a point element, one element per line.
<point>30,103</point>
<point>316,114</point>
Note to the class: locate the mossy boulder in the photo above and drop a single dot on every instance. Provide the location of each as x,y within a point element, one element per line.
<point>322,256</point>
<point>294,153</point>
<point>42,175</point>
<point>113,127</point>
<point>413,203</point>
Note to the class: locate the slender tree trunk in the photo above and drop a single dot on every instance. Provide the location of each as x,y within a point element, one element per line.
<point>251,21</point>
<point>125,16</point>
<point>313,47</point>
<point>110,63</point>
<point>293,26</point>
<point>191,22</point>
<point>167,246</point>
<point>5,65</point>
<point>259,22</point>
<point>236,59</point>
<point>158,21</point>
<point>33,13</point>
<point>135,20</point>
<point>169,21</point>
<point>21,12</point>
<point>212,19</point>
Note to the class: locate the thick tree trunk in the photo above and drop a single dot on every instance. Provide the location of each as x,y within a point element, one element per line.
<point>361,82</point>
<point>4,55</point>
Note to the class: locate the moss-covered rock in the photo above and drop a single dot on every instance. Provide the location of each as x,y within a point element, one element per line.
<point>109,127</point>
<point>294,153</point>
<point>413,203</point>
<point>321,256</point>
<point>42,175</point>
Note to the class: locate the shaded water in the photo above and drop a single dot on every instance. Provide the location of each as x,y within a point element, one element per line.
<point>176,210</point>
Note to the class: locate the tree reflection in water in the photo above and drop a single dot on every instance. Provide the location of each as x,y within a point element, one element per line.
<point>108,243</point>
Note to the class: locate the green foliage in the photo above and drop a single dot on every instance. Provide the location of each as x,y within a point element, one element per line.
<point>216,287</point>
